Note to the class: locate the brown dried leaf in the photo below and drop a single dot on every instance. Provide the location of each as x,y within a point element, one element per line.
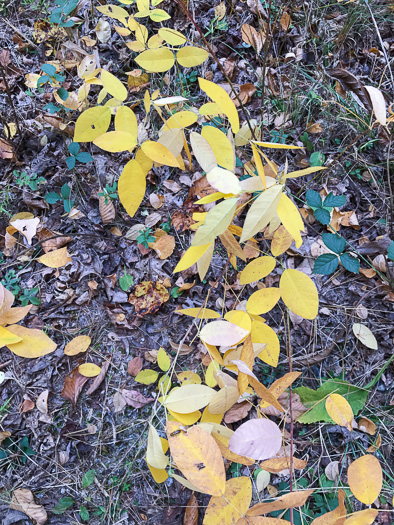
<point>134,366</point>
<point>107,210</point>
<point>148,297</point>
<point>252,37</point>
<point>191,512</point>
<point>246,93</point>
<point>6,150</point>
<point>23,500</point>
<point>285,21</point>
<point>135,399</point>
<point>351,83</point>
<point>164,246</point>
<point>100,378</point>
<point>4,435</point>
<point>73,384</point>
<point>237,412</point>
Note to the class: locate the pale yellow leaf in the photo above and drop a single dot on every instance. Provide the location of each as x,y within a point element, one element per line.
<point>125,120</point>
<point>261,212</point>
<point>221,147</point>
<point>217,221</point>
<point>222,333</point>
<point>364,334</point>
<point>191,56</point>
<point>301,173</point>
<point>224,181</point>
<point>35,343</point>
<point>202,151</point>
<point>340,411</point>
<point>191,256</point>
<point>159,153</point>
<point>155,455</point>
<point>7,337</point>
<point>189,398</point>
<point>199,313</point>
<point>378,104</point>
<point>291,218</point>
<point>275,145</point>
<point>77,345</point>
<point>264,334</point>
<point>299,293</point>
<point>116,141</point>
<point>89,370</point>
<point>182,119</point>
<point>223,100</point>
<point>132,186</point>
<point>172,37</point>
<point>156,60</point>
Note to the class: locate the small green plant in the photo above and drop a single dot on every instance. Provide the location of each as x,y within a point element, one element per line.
<point>20,450</point>
<point>64,504</point>
<point>11,282</point>
<point>328,262</point>
<point>145,236</point>
<point>126,281</point>
<point>317,158</point>
<point>166,226</point>
<point>65,192</point>
<point>109,192</point>
<point>88,478</point>
<point>307,143</point>
<point>29,296</point>
<point>216,25</point>
<point>60,13</point>
<point>84,513</point>
<point>32,181</point>
<point>322,210</point>
<point>175,293</point>
<point>50,76</point>
<point>75,155</point>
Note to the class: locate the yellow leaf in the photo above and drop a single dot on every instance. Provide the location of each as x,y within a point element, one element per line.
<point>7,299</point>
<point>113,85</point>
<point>264,334</point>
<point>274,145</point>
<point>189,378</point>
<point>156,60</point>
<point>223,400</point>
<point>159,475</point>
<point>114,11</point>
<point>217,221</point>
<point>259,165</point>
<point>364,334</point>
<point>281,241</point>
<point>172,37</point>
<point>336,516</point>
<point>92,123</point>
<point>299,293</point>
<point>77,345</point>
<point>363,517</point>
<point>34,342</point>
<point>261,212</point>
<point>257,269</point>
<point>210,379</point>
<point>222,99</point>
<point>186,419</point>
<point>7,337</point>
<point>212,109</point>
<point>378,104</point>
<point>158,15</point>
<point>116,141</point>
<point>230,507</point>
<point>89,370</point>
<point>14,315</point>
<point>191,256</point>
<point>204,262</point>
<point>222,333</point>
<point>202,151</point>
<point>300,173</point>
<point>224,181</point>
<point>365,478</point>
<point>173,140</point>
<point>155,455</point>
<point>146,377</point>
<point>239,318</point>
<point>207,417</point>
<point>198,457</point>
<point>132,186</point>
<point>189,398</point>
<point>191,56</point>
<point>199,313</point>
<point>159,153</point>
<point>262,301</point>
<point>340,411</point>
<point>291,499</point>
<point>291,218</point>
<point>56,258</point>
<point>163,360</point>
<point>125,120</point>
<point>180,120</point>
<point>221,147</point>
<point>122,31</point>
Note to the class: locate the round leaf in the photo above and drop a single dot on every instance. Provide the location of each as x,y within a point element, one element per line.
<point>89,370</point>
<point>257,269</point>
<point>365,478</point>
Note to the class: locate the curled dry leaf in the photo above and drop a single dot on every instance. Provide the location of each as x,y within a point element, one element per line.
<point>191,512</point>
<point>135,399</point>
<point>107,209</point>
<point>100,378</point>
<point>164,246</point>
<point>276,465</point>
<point>73,384</point>
<point>23,500</point>
<point>27,227</point>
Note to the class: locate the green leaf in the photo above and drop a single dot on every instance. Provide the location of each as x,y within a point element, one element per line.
<point>49,69</point>
<point>84,157</point>
<point>63,94</point>
<point>335,243</point>
<point>84,513</point>
<point>73,148</point>
<point>68,205</point>
<point>326,264</point>
<point>313,199</point>
<point>315,400</point>
<point>334,201</point>
<point>126,281</point>
<point>88,478</point>
<point>70,161</point>
<point>63,505</point>
<point>322,215</point>
<point>65,191</point>
<point>390,253</point>
<point>317,158</point>
<point>350,263</point>
<point>52,197</point>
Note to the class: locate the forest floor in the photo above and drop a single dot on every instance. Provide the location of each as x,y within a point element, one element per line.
<point>294,90</point>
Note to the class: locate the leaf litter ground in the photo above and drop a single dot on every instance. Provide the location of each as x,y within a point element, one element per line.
<point>51,450</point>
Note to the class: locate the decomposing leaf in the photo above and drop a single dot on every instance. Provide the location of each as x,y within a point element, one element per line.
<point>148,297</point>
<point>23,501</point>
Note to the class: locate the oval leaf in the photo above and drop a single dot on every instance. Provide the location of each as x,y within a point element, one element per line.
<point>222,333</point>
<point>34,342</point>
<point>77,345</point>
<point>89,370</point>
<point>364,334</point>
<point>257,269</point>
<point>189,398</point>
<point>340,411</point>
<point>132,186</point>
<point>299,293</point>
<point>365,478</point>
<point>257,439</point>
<point>230,507</point>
